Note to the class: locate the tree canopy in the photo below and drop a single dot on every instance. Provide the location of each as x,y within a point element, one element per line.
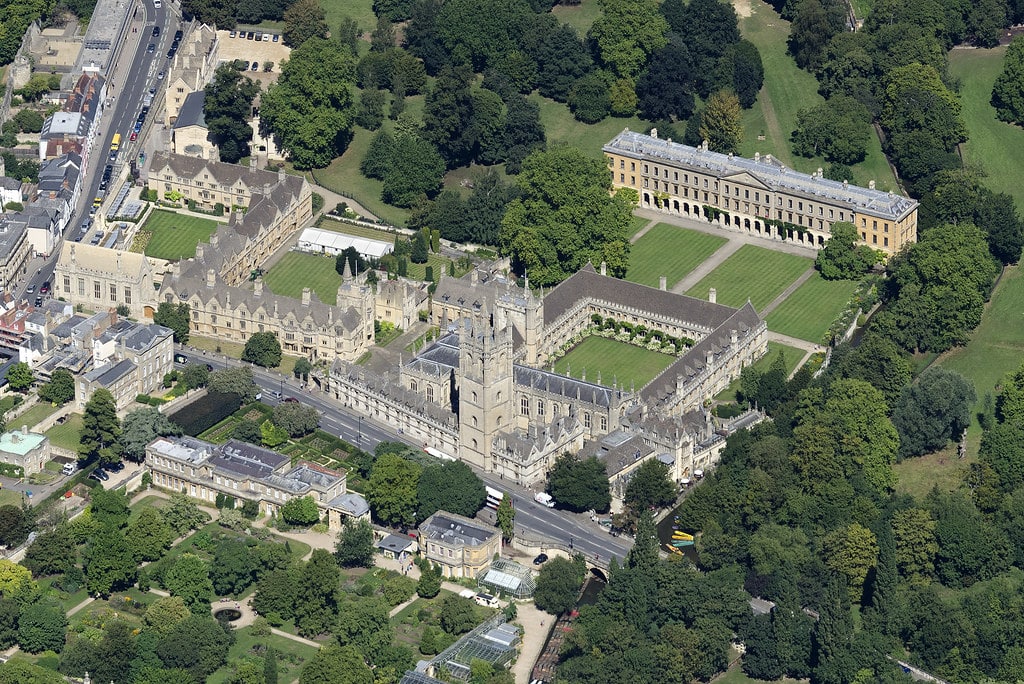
<point>450,486</point>
<point>227,108</point>
<point>579,484</point>
<point>565,217</point>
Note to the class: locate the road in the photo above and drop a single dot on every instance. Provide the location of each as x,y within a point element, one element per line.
<point>128,83</point>
<point>532,519</point>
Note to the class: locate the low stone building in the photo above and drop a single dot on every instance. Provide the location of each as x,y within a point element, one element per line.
<point>28,450</point>
<point>462,547</point>
<point>190,136</point>
<point>100,278</point>
<point>250,473</point>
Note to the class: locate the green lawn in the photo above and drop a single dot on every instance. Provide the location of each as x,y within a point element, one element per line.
<point>66,435</point>
<point>808,312</point>
<point>561,127</point>
<point>34,415</point>
<point>997,346</point>
<point>297,270</point>
<point>581,17</point>
<point>614,360</point>
<point>995,146</point>
<point>291,655</point>
<point>670,251</point>
<point>788,89</point>
<point>636,224</point>
<point>755,272</point>
<point>942,469</point>
<point>175,236</point>
<point>360,10</point>
<point>343,175</point>
<point>792,356</point>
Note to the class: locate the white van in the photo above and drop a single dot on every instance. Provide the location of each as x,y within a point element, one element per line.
<point>69,468</point>
<point>486,600</point>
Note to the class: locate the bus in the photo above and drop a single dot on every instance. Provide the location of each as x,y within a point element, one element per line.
<point>494,497</point>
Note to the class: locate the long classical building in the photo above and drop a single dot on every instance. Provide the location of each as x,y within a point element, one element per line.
<point>759,196</point>
<point>481,391</point>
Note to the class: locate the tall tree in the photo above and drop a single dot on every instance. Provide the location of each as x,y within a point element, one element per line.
<point>883,612</point>
<point>579,484</point>
<point>227,108</point>
<point>665,89</point>
<point>833,637</point>
<point>449,486</point>
<point>150,535</point>
<point>391,491</point>
<point>932,411</point>
<point>336,665</point>
<point>1008,91</point>
<point>304,19</point>
<point>720,123</point>
<point>742,67</point>
<point>565,217</point>
<point>447,115</point>
<point>60,389</point>
<point>506,516</point>
<point>310,107</point>
<point>263,349</point>
<point>415,171</point>
<point>42,626</point>
<point>101,430</point>
<point>842,258</point>
<point>355,545</point>
<point>316,594</point>
<point>141,427</point>
<point>626,33</point>
<point>650,487</point>
<point>189,578</point>
<point>177,317</point>
<point>109,562</point>
<point>558,585</point>
<point>20,377</point>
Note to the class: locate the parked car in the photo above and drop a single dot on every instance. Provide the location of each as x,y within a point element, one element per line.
<point>45,289</point>
<point>250,35</point>
<point>69,468</point>
<point>255,66</point>
<point>540,559</point>
<point>291,400</point>
<point>115,467</point>
<point>276,37</point>
<point>151,48</point>
<point>133,137</point>
<point>233,34</point>
<point>39,301</point>
<point>178,34</point>
<point>99,474</point>
<point>180,359</point>
<point>160,76</point>
<point>266,37</point>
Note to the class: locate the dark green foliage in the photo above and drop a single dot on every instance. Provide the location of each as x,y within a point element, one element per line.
<point>177,317</point>
<point>310,106</point>
<point>579,484</point>
<point>838,130</point>
<point>41,627</point>
<point>412,169</point>
<point>355,545</point>
<point>878,361</point>
<point>665,89</point>
<point>197,644</point>
<point>99,438</point>
<point>447,115</point>
<point>650,487</point>
<point>141,427</point>
<point>450,486</point>
<point>364,624</point>
<point>558,585</point>
<point>14,525</point>
<point>195,375</point>
<point>316,594</point>
<point>458,615</point>
<point>561,57</point>
<point>970,548</point>
<point>300,510</point>
<point>263,349</point>
<point>60,389</point>
<point>589,98</point>
<point>814,23</point>
<point>842,258</point>
<point>227,109</point>
<point>304,19</point>
<point>236,380</point>
<point>429,584</point>
<point>742,64</point>
<point>940,287</point>
<point>296,419</point>
<point>336,665</point>
<point>932,411</point>
<point>1008,91</point>
<point>833,636</point>
<point>370,114</point>
<point>52,553</point>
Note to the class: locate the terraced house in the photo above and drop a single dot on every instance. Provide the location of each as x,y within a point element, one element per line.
<point>759,196</point>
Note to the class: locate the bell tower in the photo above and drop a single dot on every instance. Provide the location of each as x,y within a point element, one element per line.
<point>485,387</point>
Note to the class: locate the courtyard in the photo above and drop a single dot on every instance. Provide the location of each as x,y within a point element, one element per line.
<point>172,236</point>
<point>602,360</point>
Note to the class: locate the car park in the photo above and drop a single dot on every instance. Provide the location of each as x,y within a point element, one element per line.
<point>541,559</point>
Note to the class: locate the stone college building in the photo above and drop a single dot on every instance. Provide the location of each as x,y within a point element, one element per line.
<point>759,196</point>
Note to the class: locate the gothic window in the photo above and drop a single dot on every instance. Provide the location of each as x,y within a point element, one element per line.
<point>430,393</point>
<point>540,408</point>
<point>524,406</point>
<point>412,385</point>
<point>604,423</point>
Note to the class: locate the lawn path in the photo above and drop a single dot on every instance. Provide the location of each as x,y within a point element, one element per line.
<point>709,265</point>
<point>772,121</point>
<point>804,277</point>
<point>643,231</point>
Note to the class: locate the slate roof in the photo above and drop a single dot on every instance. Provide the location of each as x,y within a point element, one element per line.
<point>455,529</point>
<point>351,504</point>
<point>773,176</point>
<point>248,460</point>
<point>107,374</point>
<point>191,112</point>
<point>588,283</point>
<point>10,233</point>
<point>135,336</point>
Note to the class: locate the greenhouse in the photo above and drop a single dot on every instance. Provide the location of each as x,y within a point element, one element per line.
<point>493,641</point>
<point>508,578</point>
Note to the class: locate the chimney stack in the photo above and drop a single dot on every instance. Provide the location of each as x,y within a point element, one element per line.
<point>305,296</point>
<point>713,296</point>
<point>604,269</point>
<point>258,287</point>
<point>662,283</point>
<point>211,278</point>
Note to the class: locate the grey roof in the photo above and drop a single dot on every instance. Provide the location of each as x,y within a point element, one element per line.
<point>10,183</point>
<point>11,232</point>
<point>242,458</point>
<point>351,504</point>
<point>588,283</point>
<point>617,451</point>
<point>68,327</point>
<point>191,112</point>
<point>454,529</point>
<point>304,477</point>
<point>395,543</point>
<point>773,176</point>
<point>135,336</point>
<point>108,374</point>
<point>693,362</point>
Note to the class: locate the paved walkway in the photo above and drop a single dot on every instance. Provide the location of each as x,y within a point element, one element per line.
<point>808,347</point>
<point>707,266</point>
<point>804,277</point>
<point>743,236</point>
<point>643,231</point>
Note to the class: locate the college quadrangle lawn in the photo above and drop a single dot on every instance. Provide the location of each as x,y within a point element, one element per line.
<point>670,251</point>
<point>175,236</point>
<point>808,312</point>
<point>614,361</point>
<point>752,272</point>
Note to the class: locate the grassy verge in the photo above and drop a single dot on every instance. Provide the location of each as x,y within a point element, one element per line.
<point>752,272</point>
<point>561,127</point>
<point>175,236</point>
<point>581,17</point>
<point>792,356</point>
<point>995,146</point>
<point>604,360</point>
<point>670,251</point>
<point>360,10</point>
<point>810,310</point>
